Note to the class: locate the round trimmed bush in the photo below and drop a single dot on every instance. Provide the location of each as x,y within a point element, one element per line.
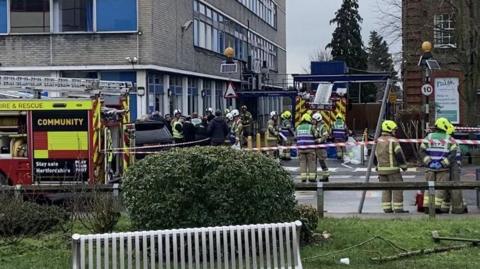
<point>207,186</point>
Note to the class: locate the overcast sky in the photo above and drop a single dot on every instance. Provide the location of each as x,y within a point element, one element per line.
<point>308,27</point>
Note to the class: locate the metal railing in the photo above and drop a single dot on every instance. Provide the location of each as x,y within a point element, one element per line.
<point>246,246</point>
<point>430,186</point>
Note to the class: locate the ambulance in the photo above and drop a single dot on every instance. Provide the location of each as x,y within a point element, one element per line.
<point>62,139</point>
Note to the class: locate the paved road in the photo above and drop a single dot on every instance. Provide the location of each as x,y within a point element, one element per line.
<point>346,202</point>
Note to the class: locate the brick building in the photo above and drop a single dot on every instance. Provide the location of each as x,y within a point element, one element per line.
<point>431,20</point>
<point>172,48</point>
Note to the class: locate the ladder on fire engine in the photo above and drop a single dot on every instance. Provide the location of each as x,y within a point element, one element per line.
<point>26,87</point>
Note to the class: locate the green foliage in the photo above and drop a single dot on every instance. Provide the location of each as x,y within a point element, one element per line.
<point>379,59</point>
<point>20,218</point>
<point>308,215</point>
<point>207,186</point>
<point>98,212</point>
<point>347,41</point>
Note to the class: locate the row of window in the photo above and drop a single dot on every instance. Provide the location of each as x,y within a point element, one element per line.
<point>156,93</point>
<point>265,9</point>
<point>214,32</point>
<point>44,16</point>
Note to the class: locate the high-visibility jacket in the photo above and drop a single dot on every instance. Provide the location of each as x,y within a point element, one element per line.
<point>438,146</point>
<point>286,128</point>
<point>305,134</point>
<point>339,130</point>
<point>272,131</point>
<point>389,154</point>
<point>177,134</point>
<point>321,133</point>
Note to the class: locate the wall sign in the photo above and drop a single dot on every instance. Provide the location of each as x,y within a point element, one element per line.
<point>447,103</point>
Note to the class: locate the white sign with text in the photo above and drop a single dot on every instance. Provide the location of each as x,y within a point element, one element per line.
<point>447,103</point>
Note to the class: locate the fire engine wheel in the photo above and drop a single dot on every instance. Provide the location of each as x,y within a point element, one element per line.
<point>3,180</point>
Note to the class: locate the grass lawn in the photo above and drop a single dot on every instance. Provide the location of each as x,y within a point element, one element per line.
<point>52,251</point>
<point>408,234</point>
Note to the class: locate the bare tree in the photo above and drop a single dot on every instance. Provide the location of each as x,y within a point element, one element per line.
<point>318,55</point>
<point>390,19</point>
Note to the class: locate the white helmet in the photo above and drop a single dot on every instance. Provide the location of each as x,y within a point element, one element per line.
<point>210,110</point>
<point>273,114</point>
<point>317,116</point>
<point>177,111</point>
<point>235,113</point>
<point>229,116</point>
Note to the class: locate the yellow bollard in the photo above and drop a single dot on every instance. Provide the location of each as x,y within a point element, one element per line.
<point>249,142</point>
<point>259,141</point>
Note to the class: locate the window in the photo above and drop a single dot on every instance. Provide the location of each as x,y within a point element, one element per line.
<point>444,30</point>
<point>116,15</point>
<point>73,15</point>
<point>219,96</point>
<point>176,98</point>
<point>201,34</point>
<point>155,93</point>
<point>3,16</point>
<point>195,33</point>
<point>207,100</point>
<point>29,16</point>
<point>192,96</point>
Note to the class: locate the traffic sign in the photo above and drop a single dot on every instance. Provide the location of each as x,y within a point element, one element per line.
<point>230,93</point>
<point>427,89</point>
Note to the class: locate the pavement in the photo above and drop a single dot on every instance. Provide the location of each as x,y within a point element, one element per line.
<point>345,203</point>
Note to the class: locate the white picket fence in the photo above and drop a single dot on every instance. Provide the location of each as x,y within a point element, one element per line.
<point>228,247</point>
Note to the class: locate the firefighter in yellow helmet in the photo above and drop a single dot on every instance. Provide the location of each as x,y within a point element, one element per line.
<point>272,134</point>
<point>390,159</point>
<point>287,133</point>
<point>306,137</point>
<point>321,136</point>
<point>438,153</point>
<point>455,197</point>
<point>340,134</point>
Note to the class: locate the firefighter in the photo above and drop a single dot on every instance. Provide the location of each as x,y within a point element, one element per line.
<point>321,136</point>
<point>246,118</point>
<point>236,129</point>
<point>438,154</point>
<point>340,134</point>
<point>390,159</point>
<point>455,197</point>
<point>272,134</point>
<point>177,126</point>
<point>287,134</point>
<point>306,137</point>
<point>209,114</point>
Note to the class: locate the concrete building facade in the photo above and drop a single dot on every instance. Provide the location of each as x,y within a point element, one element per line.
<point>172,48</point>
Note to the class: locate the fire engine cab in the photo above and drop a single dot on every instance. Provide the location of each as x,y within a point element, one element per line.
<point>62,139</point>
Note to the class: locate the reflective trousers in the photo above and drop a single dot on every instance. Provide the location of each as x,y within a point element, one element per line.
<point>321,157</point>
<point>308,165</point>
<point>392,200</point>
<point>440,195</point>
<point>285,153</point>
<point>272,153</point>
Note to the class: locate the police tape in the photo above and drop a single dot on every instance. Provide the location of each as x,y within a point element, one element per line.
<point>361,143</point>
<point>316,146</point>
<point>158,146</point>
<point>468,129</point>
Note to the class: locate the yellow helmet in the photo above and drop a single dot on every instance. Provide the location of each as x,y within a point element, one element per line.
<point>442,124</point>
<point>388,126</point>
<point>286,115</point>
<point>306,117</point>
<point>309,112</point>
<point>340,116</point>
<point>450,129</point>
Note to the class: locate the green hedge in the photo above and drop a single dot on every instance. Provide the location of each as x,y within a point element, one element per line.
<point>207,186</point>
